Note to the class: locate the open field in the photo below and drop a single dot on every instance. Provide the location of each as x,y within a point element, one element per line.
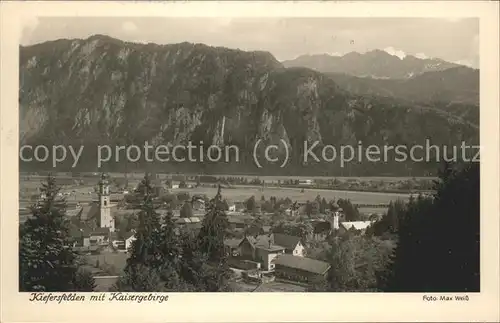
<point>369,210</point>
<point>295,194</point>
<point>265,178</point>
<point>80,193</point>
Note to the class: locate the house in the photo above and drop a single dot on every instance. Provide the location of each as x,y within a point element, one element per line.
<point>266,229</point>
<point>261,249</point>
<point>232,208</point>
<point>232,247</point>
<point>237,233</point>
<point>292,244</point>
<point>193,223</point>
<point>99,236</point>
<point>264,248</point>
<point>239,207</point>
<point>182,221</point>
<point>128,238</point>
<point>236,222</point>
<point>85,237</point>
<point>357,226</point>
<point>300,269</point>
<point>291,212</point>
<point>80,237</point>
<point>321,229</point>
<point>306,182</point>
<point>194,219</point>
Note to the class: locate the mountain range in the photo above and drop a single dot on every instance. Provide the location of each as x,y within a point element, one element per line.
<point>101,90</point>
<point>375,64</point>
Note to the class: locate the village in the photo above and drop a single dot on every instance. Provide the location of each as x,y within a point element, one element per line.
<point>263,254</point>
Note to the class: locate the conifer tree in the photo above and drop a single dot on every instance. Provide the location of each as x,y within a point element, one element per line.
<point>154,261</point>
<point>46,258</point>
<point>186,210</point>
<point>145,252</point>
<point>438,247</point>
<point>171,255</point>
<point>212,233</point>
<point>323,206</point>
<point>251,204</point>
<point>209,260</point>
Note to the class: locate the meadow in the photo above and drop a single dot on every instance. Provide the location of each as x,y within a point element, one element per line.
<point>237,193</point>
<point>295,194</point>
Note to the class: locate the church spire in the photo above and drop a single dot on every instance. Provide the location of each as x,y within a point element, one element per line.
<point>105,218</point>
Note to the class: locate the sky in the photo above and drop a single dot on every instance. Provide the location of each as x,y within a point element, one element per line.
<point>454,40</point>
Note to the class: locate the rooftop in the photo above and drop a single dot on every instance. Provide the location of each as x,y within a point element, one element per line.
<point>192,219</point>
<point>232,243</point>
<point>302,263</point>
<point>356,225</point>
<point>287,241</point>
<point>127,235</point>
<point>265,242</point>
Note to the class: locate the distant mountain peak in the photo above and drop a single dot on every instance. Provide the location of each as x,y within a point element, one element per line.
<point>376,63</point>
<point>395,52</point>
<point>378,52</point>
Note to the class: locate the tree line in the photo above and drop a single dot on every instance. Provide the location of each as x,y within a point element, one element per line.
<point>430,244</point>
<point>47,262</point>
<point>165,258</point>
<point>162,258</point>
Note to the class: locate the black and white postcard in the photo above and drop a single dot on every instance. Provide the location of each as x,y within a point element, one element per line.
<point>214,161</point>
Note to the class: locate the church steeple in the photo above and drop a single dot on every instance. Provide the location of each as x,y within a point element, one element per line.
<point>105,218</point>
<point>104,185</point>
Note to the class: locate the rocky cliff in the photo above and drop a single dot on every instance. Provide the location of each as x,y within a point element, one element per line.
<point>104,91</point>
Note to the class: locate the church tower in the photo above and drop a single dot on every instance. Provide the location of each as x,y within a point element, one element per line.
<point>105,218</point>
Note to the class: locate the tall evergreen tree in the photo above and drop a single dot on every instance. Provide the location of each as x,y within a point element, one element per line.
<point>46,258</point>
<point>169,242</point>
<point>144,249</point>
<point>323,206</point>
<point>212,233</point>
<point>251,204</point>
<point>438,247</point>
<point>142,272</point>
<point>351,211</point>
<point>186,210</point>
<point>209,260</point>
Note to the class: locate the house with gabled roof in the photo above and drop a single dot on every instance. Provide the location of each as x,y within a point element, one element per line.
<point>300,269</point>
<point>85,237</point>
<point>128,239</point>
<point>262,249</point>
<point>293,245</point>
<point>265,248</point>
